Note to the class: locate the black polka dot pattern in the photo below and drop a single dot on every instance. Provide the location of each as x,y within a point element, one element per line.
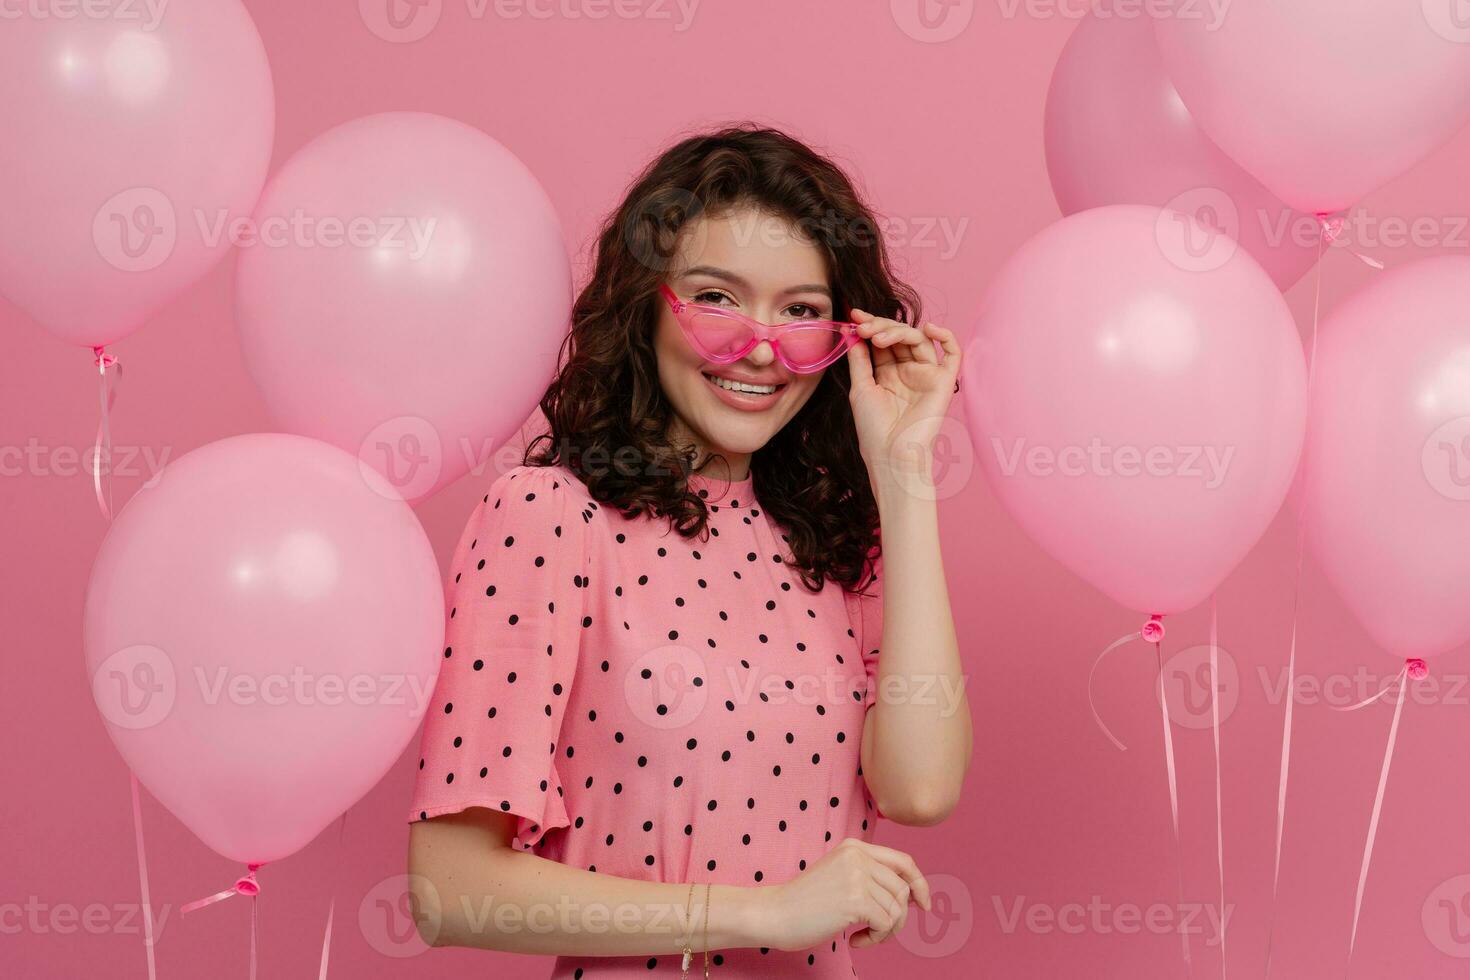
<point>642,712</point>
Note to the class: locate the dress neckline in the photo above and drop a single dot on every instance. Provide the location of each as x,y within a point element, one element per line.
<point>718,488</point>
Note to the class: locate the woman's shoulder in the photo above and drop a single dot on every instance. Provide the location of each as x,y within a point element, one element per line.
<point>554,480</point>
<point>533,496</point>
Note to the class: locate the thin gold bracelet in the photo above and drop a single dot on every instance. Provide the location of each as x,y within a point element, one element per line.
<point>686,948</point>
<point>706,929</point>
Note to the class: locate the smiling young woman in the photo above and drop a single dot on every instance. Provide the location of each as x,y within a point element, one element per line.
<point>658,730</point>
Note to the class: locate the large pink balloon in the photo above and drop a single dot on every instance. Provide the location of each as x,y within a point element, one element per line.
<point>1386,485</point>
<point>263,629</point>
<point>131,135</point>
<point>408,297</point>
<point>1322,100</point>
<point>1139,419</point>
<point>1117,133</point>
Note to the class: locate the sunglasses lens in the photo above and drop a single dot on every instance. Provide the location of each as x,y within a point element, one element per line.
<point>718,336</point>
<point>809,347</point>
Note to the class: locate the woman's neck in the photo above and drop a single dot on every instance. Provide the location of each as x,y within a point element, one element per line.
<point>728,467</point>
<point>713,463</point>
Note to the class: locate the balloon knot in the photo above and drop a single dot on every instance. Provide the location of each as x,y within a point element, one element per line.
<point>1153,630</point>
<point>1416,668</point>
<point>1331,226</point>
<point>247,885</point>
<point>103,359</point>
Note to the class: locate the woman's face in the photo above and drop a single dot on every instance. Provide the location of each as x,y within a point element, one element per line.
<point>757,264</point>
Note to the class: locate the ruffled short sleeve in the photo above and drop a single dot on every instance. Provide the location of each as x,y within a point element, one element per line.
<point>516,608</point>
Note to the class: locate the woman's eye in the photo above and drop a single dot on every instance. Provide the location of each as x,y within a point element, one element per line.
<point>803,311</point>
<point>710,297</point>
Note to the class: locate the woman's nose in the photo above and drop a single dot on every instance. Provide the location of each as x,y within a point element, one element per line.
<point>762,354</point>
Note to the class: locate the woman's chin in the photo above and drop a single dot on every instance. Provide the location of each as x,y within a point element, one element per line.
<point>737,437</point>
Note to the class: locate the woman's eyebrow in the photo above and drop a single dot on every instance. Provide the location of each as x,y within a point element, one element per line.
<point>725,275</point>
<point>715,272</point>
<point>813,287</point>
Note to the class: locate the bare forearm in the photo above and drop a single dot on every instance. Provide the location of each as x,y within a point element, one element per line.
<point>518,902</point>
<point>917,739</point>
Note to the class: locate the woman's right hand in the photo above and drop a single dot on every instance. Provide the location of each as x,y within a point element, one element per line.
<point>856,884</point>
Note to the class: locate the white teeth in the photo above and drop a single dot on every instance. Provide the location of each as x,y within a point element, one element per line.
<point>741,386</point>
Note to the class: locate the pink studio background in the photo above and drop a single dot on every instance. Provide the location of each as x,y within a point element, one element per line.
<point>945,134</point>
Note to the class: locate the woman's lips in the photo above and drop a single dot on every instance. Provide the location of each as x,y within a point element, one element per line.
<point>745,401</point>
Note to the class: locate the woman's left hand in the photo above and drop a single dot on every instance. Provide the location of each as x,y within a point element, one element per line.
<point>900,392</point>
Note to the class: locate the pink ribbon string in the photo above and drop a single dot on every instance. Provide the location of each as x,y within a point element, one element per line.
<point>254,931</point>
<point>332,905</point>
<point>1332,231</point>
<point>1285,741</point>
<point>1412,669</point>
<point>1152,632</point>
<point>1328,233</point>
<point>102,445</point>
<point>244,885</point>
<point>143,876</point>
<point>1219,800</point>
<point>1157,639</point>
<point>1092,676</point>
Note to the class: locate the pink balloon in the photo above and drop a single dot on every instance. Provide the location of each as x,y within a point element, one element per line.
<point>133,135</point>
<point>406,297</point>
<point>263,629</point>
<point>1140,419</point>
<point>1117,133</point>
<point>1322,100</point>
<point>1387,465</point>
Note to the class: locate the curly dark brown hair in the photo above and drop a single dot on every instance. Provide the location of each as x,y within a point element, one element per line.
<point>608,413</point>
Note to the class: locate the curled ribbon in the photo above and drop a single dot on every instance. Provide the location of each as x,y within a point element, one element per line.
<point>1332,231</point>
<point>107,394</point>
<point>245,885</point>
<point>1413,669</point>
<point>1152,632</point>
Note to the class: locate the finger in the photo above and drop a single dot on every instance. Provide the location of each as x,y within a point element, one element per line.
<point>909,344</point>
<point>875,929</point>
<point>892,881</point>
<point>891,910</point>
<point>874,324</point>
<point>906,869</point>
<point>948,342</point>
<point>896,887</point>
<point>883,360</point>
<point>860,367</point>
<point>878,917</point>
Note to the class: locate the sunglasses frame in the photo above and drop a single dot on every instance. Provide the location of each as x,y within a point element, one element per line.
<point>684,313</point>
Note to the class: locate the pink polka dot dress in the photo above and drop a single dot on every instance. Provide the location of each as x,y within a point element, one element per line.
<point>649,705</point>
